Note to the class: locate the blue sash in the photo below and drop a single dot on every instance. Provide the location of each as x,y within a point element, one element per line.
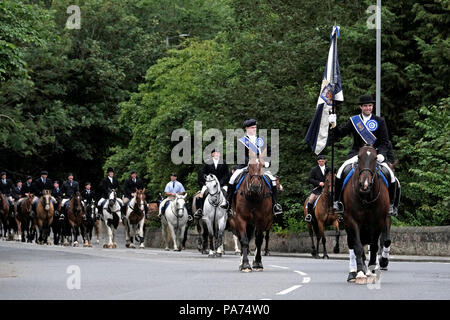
<point>250,145</point>
<point>362,129</point>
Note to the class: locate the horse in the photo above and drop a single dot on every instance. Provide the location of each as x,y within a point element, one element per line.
<point>134,220</point>
<point>366,202</point>
<point>23,218</point>
<point>214,216</point>
<point>75,216</point>
<point>91,221</point>
<point>253,208</point>
<point>323,217</point>
<point>44,217</point>
<point>58,224</point>
<point>4,215</point>
<point>110,212</point>
<point>175,219</point>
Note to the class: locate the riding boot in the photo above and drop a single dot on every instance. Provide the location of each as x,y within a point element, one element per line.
<point>199,204</point>
<point>392,187</point>
<point>308,217</point>
<point>276,207</point>
<point>337,204</point>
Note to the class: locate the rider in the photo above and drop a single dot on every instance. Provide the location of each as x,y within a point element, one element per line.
<point>87,194</point>
<point>173,188</point>
<point>110,182</point>
<point>131,185</point>
<point>317,177</point>
<point>69,188</point>
<point>6,187</point>
<point>251,140</point>
<point>216,166</point>
<point>25,191</point>
<point>57,194</point>
<point>371,130</point>
<point>40,184</point>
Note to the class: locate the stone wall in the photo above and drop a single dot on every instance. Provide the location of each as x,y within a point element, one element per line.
<point>425,241</point>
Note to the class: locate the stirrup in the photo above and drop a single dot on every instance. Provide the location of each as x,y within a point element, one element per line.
<point>338,207</point>
<point>277,209</point>
<point>393,211</point>
<point>308,218</point>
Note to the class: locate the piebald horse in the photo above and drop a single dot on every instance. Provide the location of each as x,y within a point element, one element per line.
<point>111,219</point>
<point>135,219</point>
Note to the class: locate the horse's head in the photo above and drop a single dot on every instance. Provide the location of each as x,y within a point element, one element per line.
<point>255,183</point>
<point>327,183</point>
<point>112,197</point>
<point>77,200</point>
<point>180,204</point>
<point>212,184</point>
<point>140,199</point>
<point>47,196</point>
<point>367,161</point>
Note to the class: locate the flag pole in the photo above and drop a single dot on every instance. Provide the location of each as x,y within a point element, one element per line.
<point>333,111</point>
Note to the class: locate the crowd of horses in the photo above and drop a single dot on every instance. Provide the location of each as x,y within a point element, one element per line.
<point>366,218</point>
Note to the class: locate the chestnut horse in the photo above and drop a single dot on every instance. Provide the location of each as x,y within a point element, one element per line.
<point>4,215</point>
<point>366,202</point>
<point>253,207</point>
<point>323,217</point>
<point>44,217</point>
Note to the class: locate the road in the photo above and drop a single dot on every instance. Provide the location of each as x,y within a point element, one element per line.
<point>30,271</point>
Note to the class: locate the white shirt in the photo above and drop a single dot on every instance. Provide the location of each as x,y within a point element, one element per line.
<point>364,118</point>
<point>110,179</point>
<point>216,162</point>
<point>322,168</point>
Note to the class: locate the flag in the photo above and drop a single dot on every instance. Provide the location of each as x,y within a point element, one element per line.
<point>331,89</point>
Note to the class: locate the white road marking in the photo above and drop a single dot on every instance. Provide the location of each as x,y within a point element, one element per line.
<point>306,280</point>
<point>278,266</point>
<point>301,273</point>
<point>289,289</point>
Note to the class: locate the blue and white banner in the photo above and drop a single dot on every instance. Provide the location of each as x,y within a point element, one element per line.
<point>331,89</point>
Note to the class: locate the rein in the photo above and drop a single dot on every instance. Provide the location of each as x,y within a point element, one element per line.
<point>364,201</point>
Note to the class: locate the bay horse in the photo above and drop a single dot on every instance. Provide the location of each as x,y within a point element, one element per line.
<point>253,208</point>
<point>75,216</point>
<point>366,202</point>
<point>135,219</point>
<point>323,217</point>
<point>4,215</point>
<point>44,217</point>
<point>110,213</point>
<point>23,218</point>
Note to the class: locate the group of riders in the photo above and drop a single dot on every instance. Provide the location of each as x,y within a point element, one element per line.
<point>366,128</point>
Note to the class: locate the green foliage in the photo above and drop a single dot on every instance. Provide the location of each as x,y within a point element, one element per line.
<point>425,158</point>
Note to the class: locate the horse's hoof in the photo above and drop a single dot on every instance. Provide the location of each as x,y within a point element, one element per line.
<point>361,278</point>
<point>246,270</point>
<point>384,263</point>
<point>110,246</point>
<point>114,246</point>
<point>257,266</point>
<point>205,252</point>
<point>351,277</point>
<point>267,253</point>
<point>237,252</point>
<point>325,256</point>
<point>183,248</point>
<point>141,246</point>
<point>105,246</point>
<point>372,279</point>
<point>218,255</point>
<point>90,245</point>
<point>132,246</point>
<point>127,245</point>
<point>75,244</point>
<point>167,249</point>
<point>336,250</point>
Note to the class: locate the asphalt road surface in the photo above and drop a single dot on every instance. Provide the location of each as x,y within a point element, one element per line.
<point>31,271</point>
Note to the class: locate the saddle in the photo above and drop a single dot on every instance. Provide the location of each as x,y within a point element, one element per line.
<point>242,176</point>
<point>350,169</point>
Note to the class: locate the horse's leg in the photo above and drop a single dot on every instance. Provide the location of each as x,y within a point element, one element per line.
<point>386,243</point>
<point>266,248</point>
<point>220,230</point>
<point>164,233</point>
<point>141,233</point>
<point>257,263</point>
<point>373,258</point>
<point>19,229</point>
<point>174,237</point>
<point>311,235</point>
<point>185,234</point>
<point>361,278</point>
<point>199,236</point>
<point>324,240</point>
<point>336,227</point>
<point>242,229</point>
<point>236,246</point>
<point>205,234</point>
